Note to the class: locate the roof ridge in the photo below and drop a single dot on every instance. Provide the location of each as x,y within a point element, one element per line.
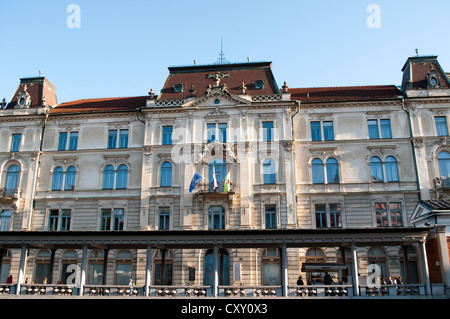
<point>102,99</point>
<point>345,86</point>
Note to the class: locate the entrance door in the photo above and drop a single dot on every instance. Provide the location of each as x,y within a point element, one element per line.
<point>223,261</point>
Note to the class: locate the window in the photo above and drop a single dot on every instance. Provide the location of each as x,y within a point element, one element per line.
<point>112,139</point>
<point>166,174</point>
<point>123,267</point>
<point>267,131</point>
<point>328,215</point>
<point>390,165</point>
<point>69,183</point>
<point>388,214</point>
<point>219,167</point>
<point>122,177</point>
<point>105,219</point>
<point>332,170</point>
<point>270,261</point>
<point>317,171</point>
<point>73,141</point>
<point>316,132</point>
<point>376,169</point>
<point>12,180</point>
<point>377,126</point>
<point>164,218</point>
<point>210,133</point>
<point>216,217</point>
<point>58,178</point>
<point>216,133</point>
<point>324,128</point>
<point>444,164</point>
<point>108,177</point>
<point>95,267</point>
<point>441,125</point>
<point>5,220</point>
<point>53,219</point>
<point>167,135</point>
<point>15,142</point>
<point>122,140</point>
<point>271,216</point>
<point>321,215</point>
<point>65,219</point>
<point>118,219</point>
<point>112,219</point>
<point>269,171</point>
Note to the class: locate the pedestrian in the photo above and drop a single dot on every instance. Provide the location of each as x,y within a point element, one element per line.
<point>300,281</point>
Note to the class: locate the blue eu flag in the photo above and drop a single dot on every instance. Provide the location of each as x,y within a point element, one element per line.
<point>195,180</point>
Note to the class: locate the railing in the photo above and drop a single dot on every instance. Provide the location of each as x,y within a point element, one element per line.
<point>321,290</point>
<point>113,290</point>
<point>393,290</point>
<point>311,291</point>
<point>10,193</point>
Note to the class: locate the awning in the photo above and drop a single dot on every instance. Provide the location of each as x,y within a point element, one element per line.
<point>308,267</point>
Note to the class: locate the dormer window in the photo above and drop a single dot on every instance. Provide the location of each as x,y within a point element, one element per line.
<point>432,79</point>
<point>259,84</point>
<point>178,88</point>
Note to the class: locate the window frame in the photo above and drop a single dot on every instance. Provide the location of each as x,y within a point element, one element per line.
<point>16,142</point>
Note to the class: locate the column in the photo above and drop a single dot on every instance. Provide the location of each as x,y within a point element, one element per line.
<point>355,270</point>
<point>284,272</point>
<point>426,275</point>
<point>216,271</point>
<point>52,264</point>
<point>23,259</point>
<point>405,264</point>
<point>105,265</point>
<point>83,269</point>
<point>148,269</point>
<point>441,237</point>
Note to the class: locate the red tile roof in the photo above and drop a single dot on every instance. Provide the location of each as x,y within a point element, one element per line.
<point>101,105</point>
<point>237,73</point>
<point>345,93</point>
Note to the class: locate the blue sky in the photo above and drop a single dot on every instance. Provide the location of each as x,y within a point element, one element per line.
<point>123,48</point>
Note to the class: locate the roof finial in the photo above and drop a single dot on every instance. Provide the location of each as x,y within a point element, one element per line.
<point>417,52</point>
<point>221,59</point>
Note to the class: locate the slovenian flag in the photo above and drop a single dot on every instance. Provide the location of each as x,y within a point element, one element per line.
<point>195,180</point>
<point>227,186</point>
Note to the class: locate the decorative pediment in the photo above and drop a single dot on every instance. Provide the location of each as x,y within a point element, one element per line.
<point>421,212</point>
<point>216,97</point>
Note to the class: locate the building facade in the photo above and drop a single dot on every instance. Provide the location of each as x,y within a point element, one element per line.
<point>226,179</point>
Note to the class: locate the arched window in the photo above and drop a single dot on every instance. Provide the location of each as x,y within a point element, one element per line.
<point>377,256</point>
<point>332,171</point>
<point>122,176</point>
<point>108,177</point>
<point>58,178</point>
<point>69,183</point>
<point>269,171</point>
<point>390,165</point>
<point>166,174</point>
<point>12,179</point>
<point>376,169</point>
<point>42,268</point>
<point>5,220</point>
<point>317,171</point>
<point>270,261</point>
<point>123,267</point>
<point>161,271</point>
<point>69,266</point>
<point>95,267</point>
<point>444,164</point>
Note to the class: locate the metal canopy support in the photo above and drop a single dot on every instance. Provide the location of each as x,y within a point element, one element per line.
<point>23,258</point>
<point>354,270</point>
<point>426,276</point>
<point>83,269</point>
<point>148,269</point>
<point>216,270</point>
<point>284,274</point>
